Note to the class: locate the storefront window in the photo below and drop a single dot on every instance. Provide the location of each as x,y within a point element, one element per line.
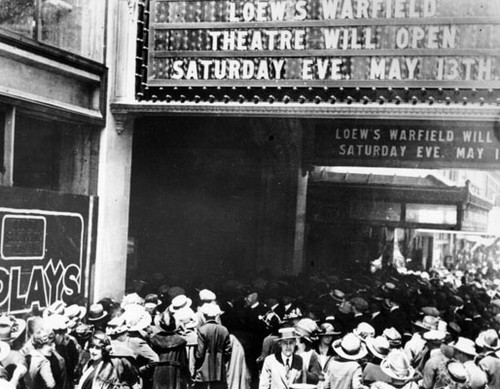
<point>431,214</point>
<point>76,26</point>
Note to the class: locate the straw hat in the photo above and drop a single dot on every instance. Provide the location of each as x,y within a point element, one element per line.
<point>457,372</point>
<point>57,307</point>
<point>393,336</point>
<point>180,302</point>
<point>364,331</point>
<point>327,329</point>
<point>117,326</point>
<point>378,346</point>
<point>75,312</point>
<point>350,347</point>
<point>211,310</point>
<point>427,323</point>
<point>397,365</point>
<point>488,340</point>
<point>286,334</point>
<point>57,322</point>
<point>206,295</point>
<point>307,328</point>
<point>96,312</point>
<point>435,336</point>
<point>465,346</point>
<point>136,317</point>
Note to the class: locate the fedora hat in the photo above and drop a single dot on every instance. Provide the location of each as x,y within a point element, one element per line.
<point>11,327</point>
<point>286,334</point>
<point>327,329</point>
<point>179,302</point>
<point>465,346</point>
<point>57,307</point>
<point>378,346</point>
<point>364,331</point>
<point>350,347</point>
<point>397,365</point>
<point>427,323</point>
<point>136,317</point>
<point>96,312</point>
<point>488,340</point>
<point>4,350</point>
<point>393,336</point>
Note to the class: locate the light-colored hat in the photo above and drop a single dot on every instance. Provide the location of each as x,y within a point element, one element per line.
<point>465,346</point>
<point>393,336</point>
<point>96,312</point>
<point>206,295</point>
<point>488,340</point>
<point>397,365</point>
<point>434,336</point>
<point>307,328</point>
<point>11,327</point>
<point>132,299</point>
<point>287,333</point>
<point>378,346</point>
<point>75,312</point>
<point>327,329</point>
<point>428,323</point>
<point>57,322</point>
<point>116,326</point>
<point>57,307</point>
<point>136,317</point>
<point>185,317</point>
<point>180,302</point>
<point>350,347</point>
<point>457,372</point>
<point>364,330</point>
<point>211,310</point>
<point>338,295</point>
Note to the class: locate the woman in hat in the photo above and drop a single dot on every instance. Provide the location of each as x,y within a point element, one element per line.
<point>324,349</point>
<point>40,374</point>
<point>307,329</point>
<point>464,351</point>
<point>345,372</point>
<point>105,370</point>
<point>172,371</point>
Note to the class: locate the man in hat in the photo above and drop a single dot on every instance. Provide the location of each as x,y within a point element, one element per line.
<point>434,369</point>
<point>213,351</point>
<point>489,344</point>
<point>379,349</point>
<point>415,348</point>
<point>282,368</point>
<point>345,372</point>
<point>360,311</point>
<point>464,351</point>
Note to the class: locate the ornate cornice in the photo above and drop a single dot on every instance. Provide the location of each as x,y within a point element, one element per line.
<point>311,110</point>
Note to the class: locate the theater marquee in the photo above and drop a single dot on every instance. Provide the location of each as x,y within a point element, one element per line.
<point>321,43</point>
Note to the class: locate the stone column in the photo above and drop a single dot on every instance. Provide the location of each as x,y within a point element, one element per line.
<point>115,156</point>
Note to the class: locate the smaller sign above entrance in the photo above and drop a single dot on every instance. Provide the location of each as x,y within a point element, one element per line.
<point>404,144</point>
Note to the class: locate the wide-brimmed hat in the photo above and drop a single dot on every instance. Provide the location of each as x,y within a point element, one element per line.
<point>327,329</point>
<point>75,312</point>
<point>397,366</point>
<point>393,336</point>
<point>307,328</point>
<point>427,323</point>
<point>179,302</point>
<point>4,350</point>
<point>435,336</point>
<point>152,300</point>
<point>117,326</point>
<point>488,340</point>
<point>286,334</point>
<point>211,310</point>
<point>136,317</point>
<point>364,330</point>
<point>457,371</point>
<point>131,299</point>
<point>57,307</point>
<point>350,347</point>
<point>378,346</point>
<point>96,312</point>
<point>11,327</point>
<point>465,346</point>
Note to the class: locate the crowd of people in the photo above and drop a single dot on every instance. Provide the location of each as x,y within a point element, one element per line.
<point>391,329</point>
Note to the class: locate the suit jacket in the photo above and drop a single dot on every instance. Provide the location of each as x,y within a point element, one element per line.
<point>212,353</point>
<point>274,372</point>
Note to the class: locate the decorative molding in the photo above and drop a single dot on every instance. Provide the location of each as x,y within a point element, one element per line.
<point>122,119</point>
<point>312,110</point>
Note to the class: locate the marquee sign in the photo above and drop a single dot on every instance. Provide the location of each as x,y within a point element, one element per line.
<point>321,43</point>
<point>424,144</point>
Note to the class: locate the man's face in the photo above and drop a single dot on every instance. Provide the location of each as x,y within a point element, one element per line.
<point>288,346</point>
<point>251,299</point>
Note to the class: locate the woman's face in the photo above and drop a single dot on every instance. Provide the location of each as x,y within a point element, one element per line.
<point>95,352</point>
<point>326,339</point>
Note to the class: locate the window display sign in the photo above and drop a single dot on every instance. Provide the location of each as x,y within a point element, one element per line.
<point>321,43</point>
<point>407,144</point>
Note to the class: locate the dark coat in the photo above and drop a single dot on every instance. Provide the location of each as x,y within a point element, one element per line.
<point>212,353</point>
<point>172,371</point>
